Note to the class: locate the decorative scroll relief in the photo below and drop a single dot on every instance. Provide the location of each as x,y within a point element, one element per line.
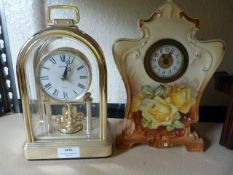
<point>160,110</point>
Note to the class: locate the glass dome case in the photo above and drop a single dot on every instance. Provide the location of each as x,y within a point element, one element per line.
<point>62,80</point>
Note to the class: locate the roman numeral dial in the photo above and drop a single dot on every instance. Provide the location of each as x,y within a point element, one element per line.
<point>64,75</point>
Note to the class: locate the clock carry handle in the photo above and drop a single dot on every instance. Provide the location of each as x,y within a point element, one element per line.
<point>63,22</point>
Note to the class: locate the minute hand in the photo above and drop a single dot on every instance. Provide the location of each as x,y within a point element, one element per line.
<point>65,73</point>
<point>169,54</point>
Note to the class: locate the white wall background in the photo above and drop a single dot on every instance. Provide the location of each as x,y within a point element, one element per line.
<point>108,20</point>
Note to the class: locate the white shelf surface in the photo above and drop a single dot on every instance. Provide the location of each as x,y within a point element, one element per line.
<point>139,160</point>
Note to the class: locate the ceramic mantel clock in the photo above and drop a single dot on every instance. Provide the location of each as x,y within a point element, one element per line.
<point>62,74</point>
<point>165,73</point>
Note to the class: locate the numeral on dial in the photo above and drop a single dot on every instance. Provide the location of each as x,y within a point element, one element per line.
<point>48,86</point>
<point>81,86</point>
<point>79,68</point>
<point>44,77</point>
<point>63,58</point>
<point>70,60</point>
<point>75,92</point>
<point>65,94</point>
<point>83,77</point>
<point>53,60</point>
<point>46,68</point>
<point>55,93</point>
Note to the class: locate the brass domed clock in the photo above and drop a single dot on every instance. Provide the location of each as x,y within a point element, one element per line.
<point>165,73</point>
<point>62,78</point>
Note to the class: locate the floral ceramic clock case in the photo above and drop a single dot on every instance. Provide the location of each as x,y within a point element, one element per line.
<point>165,73</point>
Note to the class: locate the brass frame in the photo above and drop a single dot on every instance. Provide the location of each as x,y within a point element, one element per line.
<point>34,149</point>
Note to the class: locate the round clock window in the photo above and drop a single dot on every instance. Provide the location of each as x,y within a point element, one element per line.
<point>64,74</point>
<point>166,60</point>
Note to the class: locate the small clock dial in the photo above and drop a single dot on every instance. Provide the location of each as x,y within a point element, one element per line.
<point>166,60</point>
<point>64,75</point>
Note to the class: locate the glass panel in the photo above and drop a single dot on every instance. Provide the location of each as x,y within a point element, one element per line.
<point>63,84</point>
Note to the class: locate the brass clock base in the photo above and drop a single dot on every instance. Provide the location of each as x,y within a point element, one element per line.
<point>137,134</point>
<point>66,146</point>
<point>50,150</point>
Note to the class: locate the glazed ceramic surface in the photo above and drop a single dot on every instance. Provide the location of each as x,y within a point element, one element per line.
<point>163,102</point>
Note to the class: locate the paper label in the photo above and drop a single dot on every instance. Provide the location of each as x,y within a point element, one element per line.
<point>69,152</point>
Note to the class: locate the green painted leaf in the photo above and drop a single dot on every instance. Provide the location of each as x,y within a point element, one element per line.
<point>176,116</point>
<point>150,124</point>
<point>167,91</point>
<point>146,122</point>
<point>170,128</point>
<point>159,91</point>
<point>147,90</point>
<point>178,124</point>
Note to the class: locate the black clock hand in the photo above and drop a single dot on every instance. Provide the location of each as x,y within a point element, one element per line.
<point>169,54</point>
<point>65,73</point>
<point>165,59</point>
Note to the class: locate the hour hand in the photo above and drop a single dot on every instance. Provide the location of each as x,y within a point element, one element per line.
<point>169,54</point>
<point>64,76</point>
<point>165,59</point>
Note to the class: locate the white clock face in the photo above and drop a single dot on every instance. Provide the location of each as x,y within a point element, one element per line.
<point>166,61</point>
<point>64,75</point>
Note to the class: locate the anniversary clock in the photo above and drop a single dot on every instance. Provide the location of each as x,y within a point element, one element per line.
<point>62,80</point>
<point>165,73</point>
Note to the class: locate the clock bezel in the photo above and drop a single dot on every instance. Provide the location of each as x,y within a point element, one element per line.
<point>67,50</point>
<point>151,51</point>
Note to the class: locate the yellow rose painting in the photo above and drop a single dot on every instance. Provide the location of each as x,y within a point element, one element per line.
<point>158,111</point>
<point>181,98</point>
<point>162,106</point>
